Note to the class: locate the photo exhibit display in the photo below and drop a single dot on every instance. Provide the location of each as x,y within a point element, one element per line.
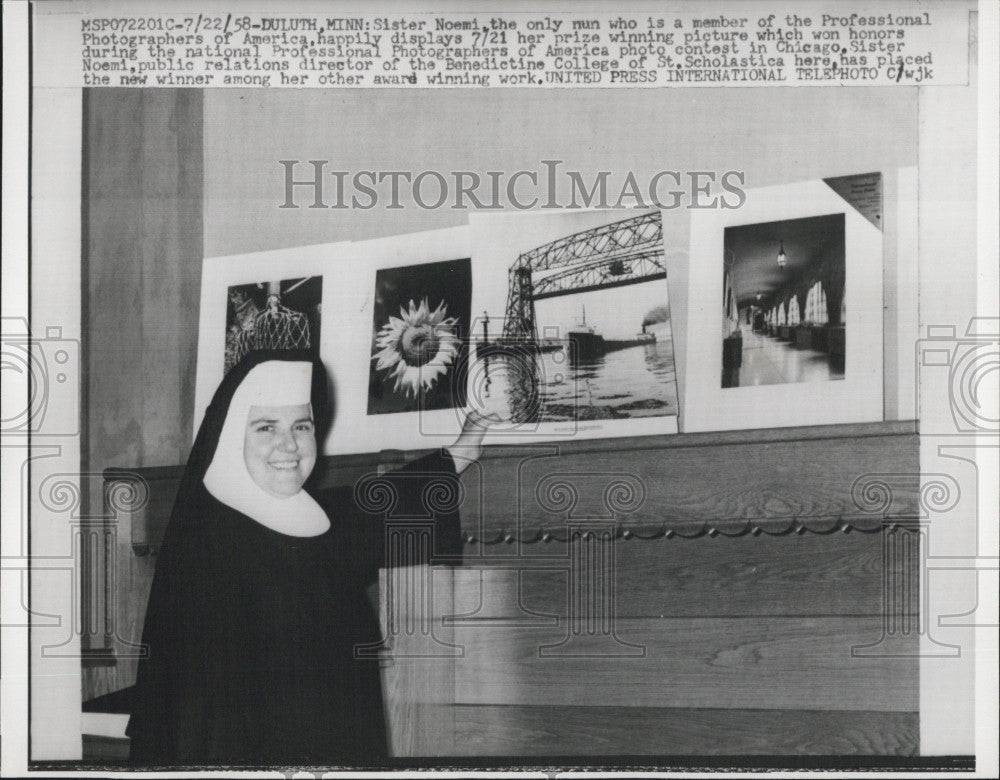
<point>574,333</point>
<point>768,341</point>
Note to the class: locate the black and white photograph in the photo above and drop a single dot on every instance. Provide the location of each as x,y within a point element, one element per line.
<point>783,297</point>
<point>573,321</point>
<point>420,337</point>
<point>470,388</point>
<point>783,270</point>
<point>282,314</point>
<point>282,299</point>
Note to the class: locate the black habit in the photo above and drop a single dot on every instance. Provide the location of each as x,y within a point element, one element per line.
<point>251,633</point>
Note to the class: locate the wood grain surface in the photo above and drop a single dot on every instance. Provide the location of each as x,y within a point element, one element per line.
<point>418,662</point>
<point>629,731</point>
<point>497,730</point>
<point>803,574</point>
<point>724,485</point>
<point>728,481</point>
<point>731,663</point>
<point>729,642</point>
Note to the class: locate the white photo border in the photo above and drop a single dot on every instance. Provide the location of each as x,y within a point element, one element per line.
<point>856,398</point>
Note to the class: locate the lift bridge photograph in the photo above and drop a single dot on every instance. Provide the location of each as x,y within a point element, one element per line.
<point>585,331</point>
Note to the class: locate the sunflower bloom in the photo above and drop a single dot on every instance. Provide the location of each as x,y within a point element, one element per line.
<point>416,348</point>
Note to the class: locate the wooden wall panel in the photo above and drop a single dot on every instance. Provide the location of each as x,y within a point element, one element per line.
<point>810,475</point>
<point>142,254</point>
<point>498,730</point>
<point>807,574</point>
<point>735,612</point>
<point>418,672</point>
<point>732,663</point>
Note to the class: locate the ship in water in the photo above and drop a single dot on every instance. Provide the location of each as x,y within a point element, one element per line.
<point>583,342</point>
<point>645,336</point>
<point>586,342</point>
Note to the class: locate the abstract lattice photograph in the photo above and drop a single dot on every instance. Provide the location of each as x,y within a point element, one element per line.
<point>273,315</point>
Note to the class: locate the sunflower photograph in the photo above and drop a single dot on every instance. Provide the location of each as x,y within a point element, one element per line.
<point>419,337</point>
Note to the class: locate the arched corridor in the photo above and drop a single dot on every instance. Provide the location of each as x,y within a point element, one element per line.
<point>783,313</point>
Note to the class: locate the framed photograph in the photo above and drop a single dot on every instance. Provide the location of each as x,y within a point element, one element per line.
<point>420,332</point>
<point>797,339</point>
<point>573,335</point>
<point>397,349</point>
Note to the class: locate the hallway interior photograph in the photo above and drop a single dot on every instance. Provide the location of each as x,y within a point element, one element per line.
<point>783,302</point>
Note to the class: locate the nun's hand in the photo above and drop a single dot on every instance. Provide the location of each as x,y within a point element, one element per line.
<point>469,444</point>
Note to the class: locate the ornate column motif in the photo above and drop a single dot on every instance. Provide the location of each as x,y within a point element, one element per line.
<point>94,562</point>
<point>983,561</point>
<point>905,619</point>
<point>592,606</point>
<point>410,610</point>
<point>496,578</point>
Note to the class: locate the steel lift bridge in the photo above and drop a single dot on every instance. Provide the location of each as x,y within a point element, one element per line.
<point>626,252</point>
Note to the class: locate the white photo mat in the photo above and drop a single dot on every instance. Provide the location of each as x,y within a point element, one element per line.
<point>350,355</point>
<point>707,406</point>
<point>220,273</point>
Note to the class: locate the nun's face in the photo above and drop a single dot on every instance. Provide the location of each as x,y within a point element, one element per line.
<point>280,447</point>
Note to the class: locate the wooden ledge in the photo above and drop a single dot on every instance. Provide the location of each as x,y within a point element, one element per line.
<point>706,439</point>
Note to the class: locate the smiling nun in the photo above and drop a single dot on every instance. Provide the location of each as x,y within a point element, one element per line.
<point>258,600</point>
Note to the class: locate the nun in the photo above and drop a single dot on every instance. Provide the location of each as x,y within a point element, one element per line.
<point>259,596</point>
